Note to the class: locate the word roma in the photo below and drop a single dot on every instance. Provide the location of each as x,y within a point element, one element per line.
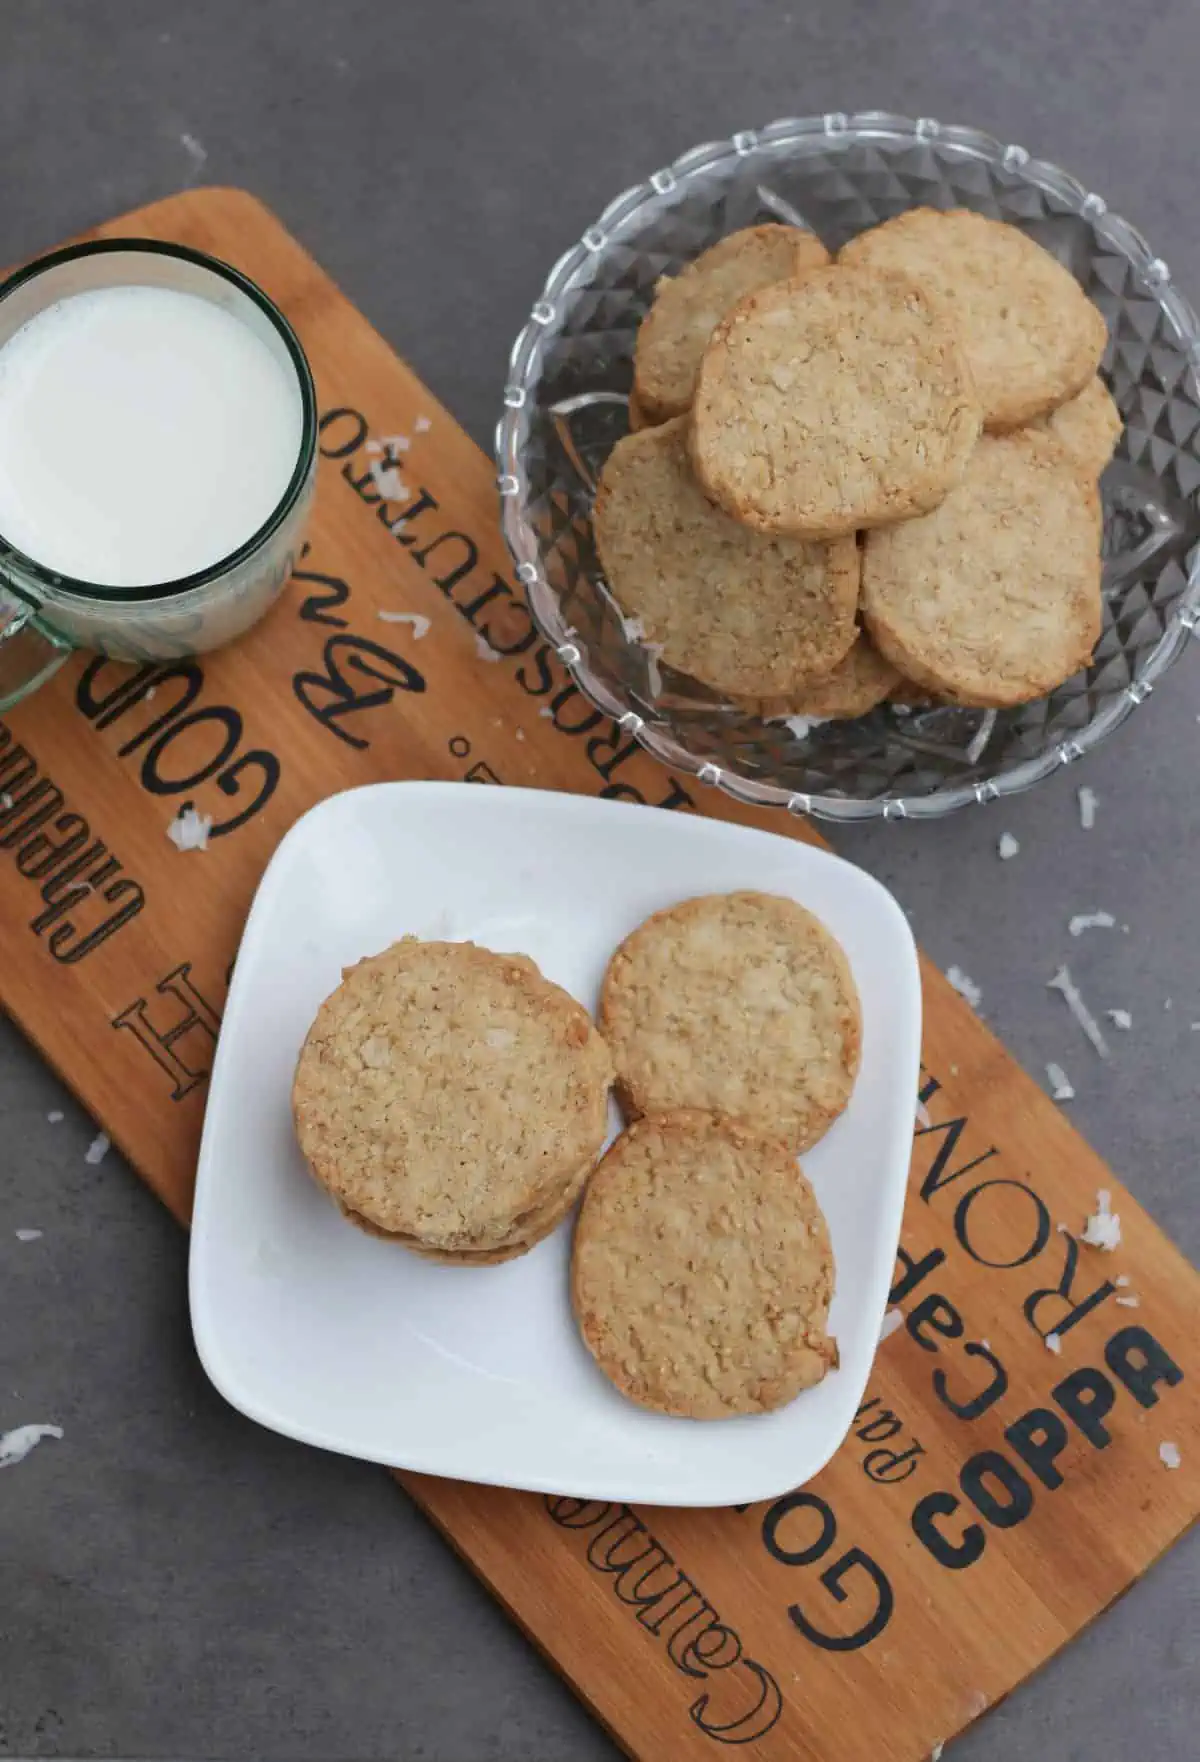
<point>54,847</point>
<point>671,1607</point>
<point>451,560</point>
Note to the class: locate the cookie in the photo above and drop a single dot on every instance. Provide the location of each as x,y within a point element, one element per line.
<point>744,612</point>
<point>702,1270</point>
<point>444,1092</point>
<point>1087,426</point>
<point>637,416</point>
<point>837,401</point>
<point>1033,339</point>
<point>737,1003</point>
<point>688,306</point>
<point>861,679</point>
<point>994,598</point>
<point>527,1231</point>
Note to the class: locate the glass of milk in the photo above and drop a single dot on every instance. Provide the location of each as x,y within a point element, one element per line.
<point>157,456</point>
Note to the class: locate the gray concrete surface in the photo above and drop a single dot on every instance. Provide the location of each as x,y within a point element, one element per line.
<point>174,1581</point>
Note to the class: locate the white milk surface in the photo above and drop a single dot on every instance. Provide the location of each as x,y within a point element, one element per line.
<point>145,434</point>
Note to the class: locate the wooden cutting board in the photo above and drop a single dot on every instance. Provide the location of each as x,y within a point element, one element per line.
<point>994,1495</point>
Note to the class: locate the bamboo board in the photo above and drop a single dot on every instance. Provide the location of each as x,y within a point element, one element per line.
<point>993,1497</point>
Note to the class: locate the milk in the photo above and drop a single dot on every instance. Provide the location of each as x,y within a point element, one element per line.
<point>145,435</point>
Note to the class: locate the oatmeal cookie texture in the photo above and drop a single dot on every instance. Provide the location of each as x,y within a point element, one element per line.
<point>702,1270</point>
<point>741,1004</point>
<point>745,612</point>
<point>1033,338</point>
<point>835,401</point>
<point>994,598</point>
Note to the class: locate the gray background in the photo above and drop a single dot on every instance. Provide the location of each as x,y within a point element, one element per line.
<point>174,1581</point>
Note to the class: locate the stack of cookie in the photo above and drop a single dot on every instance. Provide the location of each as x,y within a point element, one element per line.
<point>452,1100</point>
<point>866,478</point>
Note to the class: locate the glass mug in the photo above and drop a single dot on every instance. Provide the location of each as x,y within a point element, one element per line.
<point>44,615</point>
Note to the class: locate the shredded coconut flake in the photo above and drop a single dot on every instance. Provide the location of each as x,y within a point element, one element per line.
<point>1122,1279</point>
<point>6,800</point>
<point>935,1755</point>
<point>28,1235</point>
<point>1130,1302</point>
<point>520,733</point>
<point>1062,981</point>
<point>1088,801</point>
<point>1060,1084</point>
<point>1168,1455</point>
<point>1090,921</point>
<point>189,830</point>
<point>421,425</point>
<point>1007,847</point>
<point>653,653</point>
<point>633,629</point>
<point>1121,1018</point>
<point>98,1149</point>
<point>484,649</point>
<point>388,482</point>
<point>923,1117</point>
<point>965,987</point>
<point>16,1445</point>
<point>1103,1228</point>
<point>1053,1344</point>
<point>393,444</point>
<point>892,1321</point>
<point>980,738</point>
<point>546,712</point>
<point>802,726</point>
<point>55,1116</point>
<point>421,625</point>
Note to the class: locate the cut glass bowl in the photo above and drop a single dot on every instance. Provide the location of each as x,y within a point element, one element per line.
<point>566,405</point>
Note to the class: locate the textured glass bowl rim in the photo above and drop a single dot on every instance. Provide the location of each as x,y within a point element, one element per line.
<point>513,430</point>
<point>96,592</point>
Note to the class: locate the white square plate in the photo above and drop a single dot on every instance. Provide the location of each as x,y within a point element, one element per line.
<point>323,1333</point>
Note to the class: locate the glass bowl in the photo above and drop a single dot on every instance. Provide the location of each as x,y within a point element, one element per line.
<point>566,400</point>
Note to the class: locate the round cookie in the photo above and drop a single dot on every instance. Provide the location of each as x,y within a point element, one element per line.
<point>747,613</point>
<point>702,1270</point>
<point>1087,426</point>
<point>688,306</point>
<point>527,1231</point>
<point>833,402</point>
<point>861,679</point>
<point>444,1092</point>
<point>637,416</point>
<point>1032,337</point>
<point>741,1004</point>
<point>994,598</point>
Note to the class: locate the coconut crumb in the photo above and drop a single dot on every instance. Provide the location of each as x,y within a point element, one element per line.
<point>98,1149</point>
<point>980,738</point>
<point>6,800</point>
<point>484,649</point>
<point>633,630</point>
<point>1168,1454</point>
<point>802,726</point>
<point>1053,1344</point>
<point>520,733</point>
<point>421,625</point>
<point>923,1115</point>
<point>1006,847</point>
<point>1062,981</point>
<point>1060,1084</point>
<point>1121,1018</point>
<point>935,1755</point>
<point>190,830</point>
<point>546,712</point>
<point>893,1320</point>
<point>1088,802</point>
<point>1103,1227</point>
<point>1090,921</point>
<point>28,1235</point>
<point>55,1116</point>
<point>965,986</point>
<point>388,482</point>
<point>422,425</point>
<point>16,1445</point>
<point>1167,1004</point>
<point>1130,1302</point>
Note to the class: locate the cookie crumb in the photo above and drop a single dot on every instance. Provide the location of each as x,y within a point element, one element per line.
<point>1060,1084</point>
<point>1007,847</point>
<point>1088,802</point>
<point>1168,1455</point>
<point>966,987</point>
